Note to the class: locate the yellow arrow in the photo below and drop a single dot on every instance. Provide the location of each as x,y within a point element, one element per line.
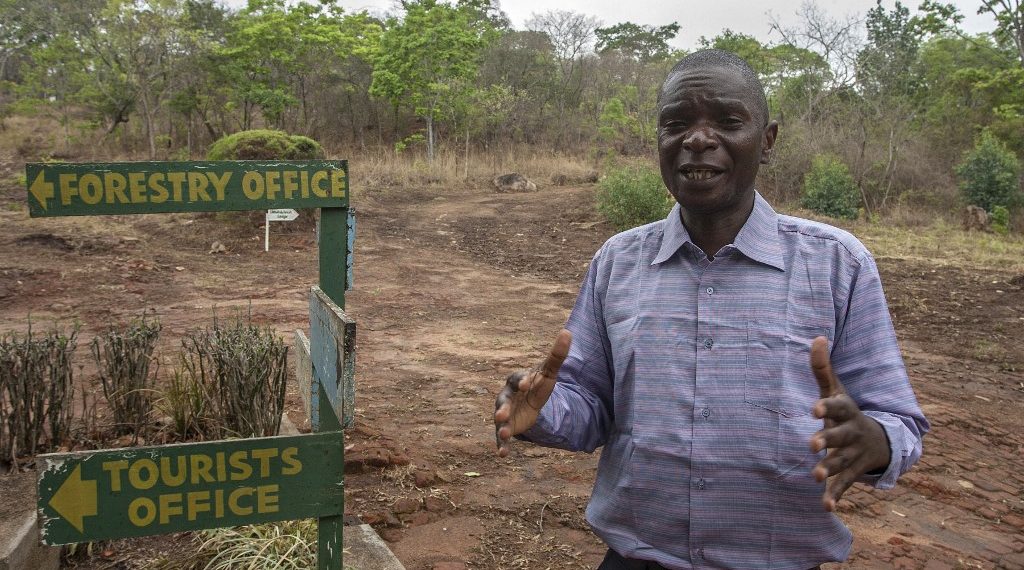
<point>75,499</point>
<point>41,189</point>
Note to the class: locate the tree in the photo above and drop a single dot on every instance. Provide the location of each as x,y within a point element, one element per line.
<point>571,35</point>
<point>643,43</point>
<point>888,83</point>
<point>1009,15</point>
<point>427,52</point>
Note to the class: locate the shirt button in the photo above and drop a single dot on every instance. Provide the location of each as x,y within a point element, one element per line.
<point>708,343</point>
<point>700,484</point>
<point>700,553</point>
<point>711,290</point>
<point>705,412</point>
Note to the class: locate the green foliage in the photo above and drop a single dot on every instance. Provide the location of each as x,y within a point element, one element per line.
<point>184,401</point>
<point>123,358</point>
<point>411,140</point>
<point>265,145</point>
<point>1000,220</point>
<point>631,196</point>
<point>643,43</point>
<point>36,392</point>
<point>829,189</point>
<point>884,65</point>
<point>421,55</point>
<point>288,545</point>
<point>242,369</point>
<point>989,174</point>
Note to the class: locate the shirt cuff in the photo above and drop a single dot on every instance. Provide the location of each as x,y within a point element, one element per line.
<point>898,451</point>
<point>542,431</point>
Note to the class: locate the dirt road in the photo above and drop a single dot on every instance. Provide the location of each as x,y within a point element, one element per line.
<point>453,290</point>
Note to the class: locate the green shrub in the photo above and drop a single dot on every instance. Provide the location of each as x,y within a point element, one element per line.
<point>265,145</point>
<point>632,196</point>
<point>1000,220</point>
<point>123,358</point>
<point>989,174</point>
<point>36,392</point>
<point>829,189</point>
<point>242,370</point>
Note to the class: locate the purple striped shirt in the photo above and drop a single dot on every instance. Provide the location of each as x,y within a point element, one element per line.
<point>695,377</point>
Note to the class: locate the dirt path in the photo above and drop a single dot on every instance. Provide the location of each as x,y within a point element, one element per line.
<point>453,290</point>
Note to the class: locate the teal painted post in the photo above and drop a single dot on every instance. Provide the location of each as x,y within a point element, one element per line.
<point>333,256</point>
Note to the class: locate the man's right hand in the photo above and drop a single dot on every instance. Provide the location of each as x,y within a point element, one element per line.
<point>526,392</point>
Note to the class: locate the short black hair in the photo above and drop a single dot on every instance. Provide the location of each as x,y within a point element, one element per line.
<point>706,58</point>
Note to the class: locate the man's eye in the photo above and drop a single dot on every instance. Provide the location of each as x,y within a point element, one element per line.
<point>674,125</point>
<point>732,122</point>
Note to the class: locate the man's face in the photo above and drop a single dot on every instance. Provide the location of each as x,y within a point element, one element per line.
<point>711,140</point>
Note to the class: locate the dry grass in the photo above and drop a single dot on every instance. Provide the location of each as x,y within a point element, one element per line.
<point>943,243</point>
<point>932,238</point>
<point>383,168</point>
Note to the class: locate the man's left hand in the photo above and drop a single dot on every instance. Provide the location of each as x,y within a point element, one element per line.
<point>856,444</point>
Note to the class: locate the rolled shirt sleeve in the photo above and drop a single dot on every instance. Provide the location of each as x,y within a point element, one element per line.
<point>577,416</point>
<point>867,359</point>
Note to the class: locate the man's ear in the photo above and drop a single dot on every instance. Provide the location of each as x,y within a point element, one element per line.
<point>771,130</point>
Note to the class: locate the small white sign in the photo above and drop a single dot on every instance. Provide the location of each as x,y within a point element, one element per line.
<point>282,215</point>
<point>279,215</point>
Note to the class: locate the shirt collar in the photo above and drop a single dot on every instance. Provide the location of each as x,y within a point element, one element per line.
<point>758,239</point>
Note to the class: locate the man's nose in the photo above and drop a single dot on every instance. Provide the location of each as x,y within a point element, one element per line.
<point>700,140</point>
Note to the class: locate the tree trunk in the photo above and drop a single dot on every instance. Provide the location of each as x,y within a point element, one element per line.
<point>466,165</point>
<point>430,136</point>
<point>151,139</point>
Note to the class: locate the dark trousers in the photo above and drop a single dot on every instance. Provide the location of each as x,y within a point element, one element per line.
<point>615,561</point>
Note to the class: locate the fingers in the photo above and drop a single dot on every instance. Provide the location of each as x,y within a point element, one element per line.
<point>525,392</point>
<point>834,463</point>
<point>836,487</point>
<point>821,364</point>
<point>839,409</point>
<point>558,353</point>
<point>841,465</point>
<point>839,436</point>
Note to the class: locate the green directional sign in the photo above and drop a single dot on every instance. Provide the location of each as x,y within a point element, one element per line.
<point>154,490</point>
<point>65,189</point>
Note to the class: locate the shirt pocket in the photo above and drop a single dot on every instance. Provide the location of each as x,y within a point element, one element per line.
<point>780,390</point>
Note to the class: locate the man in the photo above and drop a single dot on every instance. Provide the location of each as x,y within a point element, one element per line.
<point>705,353</point>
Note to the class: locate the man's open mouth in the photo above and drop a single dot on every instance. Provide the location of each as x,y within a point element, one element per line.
<point>699,173</point>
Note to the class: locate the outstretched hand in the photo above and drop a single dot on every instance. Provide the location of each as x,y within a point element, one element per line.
<point>525,393</point>
<point>856,443</point>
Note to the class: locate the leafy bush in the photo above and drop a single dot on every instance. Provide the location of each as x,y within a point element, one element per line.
<point>1000,220</point>
<point>632,196</point>
<point>829,189</point>
<point>123,357</point>
<point>242,370</point>
<point>265,145</point>
<point>36,392</point>
<point>989,174</point>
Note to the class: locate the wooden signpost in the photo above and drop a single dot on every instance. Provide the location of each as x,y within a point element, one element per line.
<point>154,490</point>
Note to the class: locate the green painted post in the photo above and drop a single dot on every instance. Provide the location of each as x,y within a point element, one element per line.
<point>333,255</point>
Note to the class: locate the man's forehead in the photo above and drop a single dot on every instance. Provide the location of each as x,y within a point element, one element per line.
<point>712,81</point>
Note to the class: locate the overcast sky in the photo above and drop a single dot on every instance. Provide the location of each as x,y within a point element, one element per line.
<point>696,19</point>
